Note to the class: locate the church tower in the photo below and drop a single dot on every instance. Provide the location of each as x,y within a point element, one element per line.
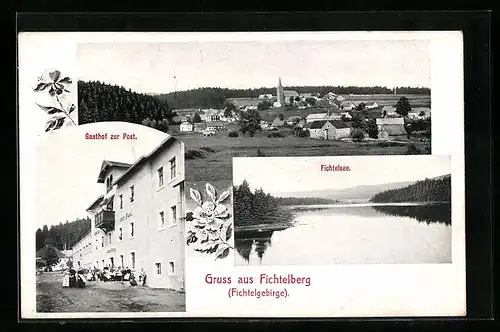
<point>280,94</point>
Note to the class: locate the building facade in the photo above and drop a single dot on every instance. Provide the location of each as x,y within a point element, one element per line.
<point>137,222</point>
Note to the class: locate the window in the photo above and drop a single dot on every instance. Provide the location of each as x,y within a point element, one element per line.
<point>172,168</point>
<point>171,268</point>
<point>120,236</point>
<point>158,268</point>
<point>132,230</point>
<point>132,260</point>
<point>112,261</point>
<point>109,238</point>
<point>121,261</point>
<point>173,211</point>
<point>131,193</point>
<point>160,177</point>
<point>121,201</point>
<point>162,219</point>
<point>102,241</point>
<point>103,266</point>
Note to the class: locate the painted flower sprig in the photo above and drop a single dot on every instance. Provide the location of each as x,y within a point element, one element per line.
<point>56,85</point>
<point>209,226</point>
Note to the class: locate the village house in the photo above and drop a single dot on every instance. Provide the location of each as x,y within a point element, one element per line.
<point>62,255</point>
<point>186,126</point>
<point>391,129</point>
<point>232,127</point>
<point>371,106</point>
<point>199,127</point>
<point>137,222</point>
<point>179,118</point>
<point>277,122</point>
<point>345,115</point>
<point>316,117</point>
<point>266,96</point>
<point>215,125</point>
<point>329,129</point>
<point>347,106</point>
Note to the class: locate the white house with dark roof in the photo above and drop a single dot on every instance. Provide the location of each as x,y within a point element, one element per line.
<point>186,126</point>
<point>391,129</point>
<point>137,221</point>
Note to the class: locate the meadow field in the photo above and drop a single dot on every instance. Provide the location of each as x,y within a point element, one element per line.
<point>210,158</point>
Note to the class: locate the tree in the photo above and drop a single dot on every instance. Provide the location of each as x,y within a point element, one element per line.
<point>281,117</point>
<point>361,106</point>
<point>263,105</point>
<point>229,108</point>
<point>357,135</point>
<point>197,118</point>
<point>372,129</point>
<point>291,100</point>
<point>50,256</point>
<point>403,106</point>
<point>358,122</point>
<point>311,101</point>
<point>250,122</point>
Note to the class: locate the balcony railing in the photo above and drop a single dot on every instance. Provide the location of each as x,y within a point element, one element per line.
<point>105,220</point>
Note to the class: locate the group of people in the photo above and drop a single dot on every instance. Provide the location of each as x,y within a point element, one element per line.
<point>122,274</point>
<point>74,279</point>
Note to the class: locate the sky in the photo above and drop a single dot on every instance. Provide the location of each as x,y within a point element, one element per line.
<point>284,174</point>
<point>176,66</point>
<point>68,166</point>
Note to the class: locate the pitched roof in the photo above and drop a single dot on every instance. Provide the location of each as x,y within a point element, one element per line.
<point>106,164</point>
<point>390,121</point>
<point>392,129</point>
<point>339,124</point>
<point>166,142</point>
<point>94,203</point>
<point>289,93</point>
<point>318,124</point>
<point>316,116</point>
<point>186,123</point>
<point>215,124</point>
<point>278,122</point>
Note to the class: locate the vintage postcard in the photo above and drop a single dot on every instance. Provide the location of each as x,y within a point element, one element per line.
<point>284,174</point>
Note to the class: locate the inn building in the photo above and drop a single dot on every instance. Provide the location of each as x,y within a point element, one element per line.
<point>137,221</point>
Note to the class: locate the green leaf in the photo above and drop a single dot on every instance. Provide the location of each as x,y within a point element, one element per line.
<point>41,86</point>
<point>223,196</point>
<point>211,192</point>
<point>195,195</point>
<point>50,109</point>
<point>65,80</point>
<point>55,122</point>
<point>220,254</point>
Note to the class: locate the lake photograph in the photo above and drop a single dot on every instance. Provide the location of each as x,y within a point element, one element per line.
<point>384,210</point>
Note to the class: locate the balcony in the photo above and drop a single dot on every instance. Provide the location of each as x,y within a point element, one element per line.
<point>105,220</point>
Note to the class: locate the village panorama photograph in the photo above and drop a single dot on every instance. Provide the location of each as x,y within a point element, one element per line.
<point>340,210</point>
<point>271,98</point>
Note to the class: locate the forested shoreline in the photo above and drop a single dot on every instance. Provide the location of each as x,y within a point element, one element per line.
<point>62,235</point>
<point>254,208</point>
<point>304,200</point>
<point>428,190</point>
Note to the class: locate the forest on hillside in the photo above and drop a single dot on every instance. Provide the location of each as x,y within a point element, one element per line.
<point>428,190</point>
<point>253,208</point>
<point>104,102</point>
<point>215,97</point>
<point>62,234</point>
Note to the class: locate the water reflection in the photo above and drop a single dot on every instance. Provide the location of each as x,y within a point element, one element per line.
<point>368,223</point>
<point>430,213</point>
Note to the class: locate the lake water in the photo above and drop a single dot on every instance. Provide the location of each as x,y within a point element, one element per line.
<point>354,234</point>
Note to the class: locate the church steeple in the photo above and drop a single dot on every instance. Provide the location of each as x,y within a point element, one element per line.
<point>279,93</point>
